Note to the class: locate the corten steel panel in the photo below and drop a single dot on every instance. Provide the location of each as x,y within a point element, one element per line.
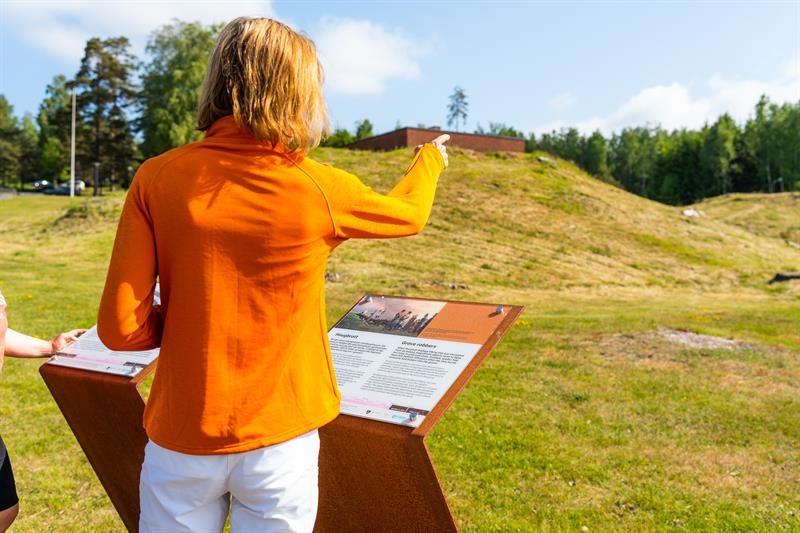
<point>105,413</point>
<point>374,476</point>
<point>377,477</point>
<point>387,482</point>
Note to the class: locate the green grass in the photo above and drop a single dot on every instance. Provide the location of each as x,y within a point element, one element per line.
<point>583,416</point>
<point>774,215</point>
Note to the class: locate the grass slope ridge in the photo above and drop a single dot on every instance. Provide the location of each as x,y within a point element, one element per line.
<point>583,416</point>
<point>512,221</point>
<point>773,215</point>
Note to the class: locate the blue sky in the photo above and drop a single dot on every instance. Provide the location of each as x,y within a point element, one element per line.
<point>533,65</point>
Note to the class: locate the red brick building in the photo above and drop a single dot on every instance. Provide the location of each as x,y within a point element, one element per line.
<point>416,136</point>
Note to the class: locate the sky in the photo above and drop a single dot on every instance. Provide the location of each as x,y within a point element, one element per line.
<point>536,66</point>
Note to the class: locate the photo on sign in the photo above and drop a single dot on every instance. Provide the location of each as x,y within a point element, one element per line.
<point>394,316</point>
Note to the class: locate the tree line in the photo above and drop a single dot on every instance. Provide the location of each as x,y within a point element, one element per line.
<point>161,94</point>
<point>684,166</point>
<point>162,100</point>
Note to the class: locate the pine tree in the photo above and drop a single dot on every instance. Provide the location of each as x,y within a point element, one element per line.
<point>457,108</point>
<point>105,92</point>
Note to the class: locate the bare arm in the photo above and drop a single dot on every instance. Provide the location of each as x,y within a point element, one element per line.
<point>21,345</point>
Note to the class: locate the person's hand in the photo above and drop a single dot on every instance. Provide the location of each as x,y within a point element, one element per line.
<point>64,340</point>
<point>438,142</point>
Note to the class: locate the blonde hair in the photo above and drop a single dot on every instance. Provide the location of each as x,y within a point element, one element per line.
<point>269,78</point>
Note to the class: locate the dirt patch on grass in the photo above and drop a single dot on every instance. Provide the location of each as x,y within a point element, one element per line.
<point>697,340</point>
<point>764,369</point>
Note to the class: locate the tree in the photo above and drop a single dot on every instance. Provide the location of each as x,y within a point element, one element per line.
<point>633,159</point>
<point>9,144</point>
<point>744,167</point>
<point>171,85</point>
<point>498,129</point>
<point>363,129</point>
<point>105,92</point>
<point>54,120</point>
<point>717,155</point>
<point>457,108</point>
<point>626,152</point>
<point>679,180</point>
<point>29,153</point>
<point>531,144</point>
<point>781,140</point>
<point>566,143</point>
<point>339,138</point>
<point>595,155</point>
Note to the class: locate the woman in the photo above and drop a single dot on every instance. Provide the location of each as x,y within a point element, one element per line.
<point>238,228</point>
<point>17,344</point>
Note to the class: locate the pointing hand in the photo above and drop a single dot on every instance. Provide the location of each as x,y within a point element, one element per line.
<point>438,142</point>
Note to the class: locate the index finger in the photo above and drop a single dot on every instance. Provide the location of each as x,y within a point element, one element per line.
<point>441,139</point>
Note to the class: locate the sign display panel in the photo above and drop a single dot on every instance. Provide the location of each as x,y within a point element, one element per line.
<point>395,357</point>
<point>89,353</point>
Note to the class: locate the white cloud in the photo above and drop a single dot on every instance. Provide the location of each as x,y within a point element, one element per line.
<point>360,56</point>
<point>676,106</point>
<point>62,28</point>
<point>562,101</point>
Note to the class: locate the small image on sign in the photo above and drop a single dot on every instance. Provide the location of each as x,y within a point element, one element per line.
<point>392,316</point>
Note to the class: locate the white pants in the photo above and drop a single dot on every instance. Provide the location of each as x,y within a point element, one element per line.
<point>272,489</point>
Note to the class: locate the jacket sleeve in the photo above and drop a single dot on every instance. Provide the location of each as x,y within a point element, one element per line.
<point>359,212</point>
<point>127,319</point>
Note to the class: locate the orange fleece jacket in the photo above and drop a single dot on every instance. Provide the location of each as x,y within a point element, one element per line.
<point>238,234</point>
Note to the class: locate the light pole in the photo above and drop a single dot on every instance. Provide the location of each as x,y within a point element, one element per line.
<point>96,179</point>
<point>72,151</point>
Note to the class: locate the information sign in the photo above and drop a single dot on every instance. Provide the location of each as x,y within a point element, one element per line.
<point>396,357</point>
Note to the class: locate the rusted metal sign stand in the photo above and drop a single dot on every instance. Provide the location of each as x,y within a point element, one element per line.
<point>105,413</point>
<point>373,476</point>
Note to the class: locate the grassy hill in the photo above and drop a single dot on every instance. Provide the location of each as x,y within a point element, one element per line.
<point>586,415</point>
<point>518,224</point>
<point>773,215</point>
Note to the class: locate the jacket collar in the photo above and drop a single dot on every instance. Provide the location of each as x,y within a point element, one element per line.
<point>226,127</point>
<point>225,130</point>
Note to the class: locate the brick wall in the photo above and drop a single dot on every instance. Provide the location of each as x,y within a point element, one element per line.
<point>414,136</point>
<point>387,141</point>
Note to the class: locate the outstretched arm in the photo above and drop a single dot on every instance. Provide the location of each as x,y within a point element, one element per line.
<point>16,344</point>
<point>359,212</point>
<point>21,345</point>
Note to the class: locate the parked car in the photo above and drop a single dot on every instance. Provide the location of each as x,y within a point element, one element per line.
<point>63,188</point>
<point>41,185</point>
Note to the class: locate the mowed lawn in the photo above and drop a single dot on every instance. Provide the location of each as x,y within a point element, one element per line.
<point>584,416</point>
